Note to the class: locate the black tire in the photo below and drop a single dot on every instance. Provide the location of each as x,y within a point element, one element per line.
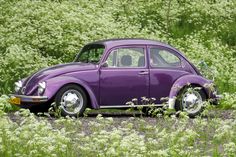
<point>179,105</point>
<point>65,89</point>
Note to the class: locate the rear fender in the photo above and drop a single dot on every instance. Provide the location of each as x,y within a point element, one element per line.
<point>187,80</point>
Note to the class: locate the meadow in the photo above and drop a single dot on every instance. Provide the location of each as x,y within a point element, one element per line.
<point>24,134</point>
<point>117,133</point>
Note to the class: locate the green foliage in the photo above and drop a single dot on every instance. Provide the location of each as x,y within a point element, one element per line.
<point>5,106</point>
<point>218,57</point>
<point>58,29</point>
<point>32,138</point>
<point>23,134</point>
<point>52,32</point>
<point>228,101</point>
<point>37,34</point>
<point>18,63</point>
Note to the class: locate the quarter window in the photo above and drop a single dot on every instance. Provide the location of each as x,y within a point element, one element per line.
<point>126,57</point>
<point>163,58</point>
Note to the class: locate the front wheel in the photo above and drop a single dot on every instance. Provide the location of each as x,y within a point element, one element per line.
<point>191,100</point>
<point>71,100</point>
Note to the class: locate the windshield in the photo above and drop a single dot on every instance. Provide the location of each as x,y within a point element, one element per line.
<point>90,54</point>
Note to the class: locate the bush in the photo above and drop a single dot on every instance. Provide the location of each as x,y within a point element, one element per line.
<point>18,63</point>
<point>228,101</point>
<point>219,59</point>
<point>54,31</point>
<point>5,106</point>
<point>60,29</point>
<point>34,33</point>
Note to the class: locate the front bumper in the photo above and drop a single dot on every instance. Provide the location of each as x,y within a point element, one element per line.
<point>24,99</point>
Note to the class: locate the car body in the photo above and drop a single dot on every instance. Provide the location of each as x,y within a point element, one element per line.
<point>112,72</point>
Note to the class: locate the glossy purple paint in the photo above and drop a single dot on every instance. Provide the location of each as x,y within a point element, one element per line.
<point>116,86</point>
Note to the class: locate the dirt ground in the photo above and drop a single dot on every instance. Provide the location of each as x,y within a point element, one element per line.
<point>122,115</point>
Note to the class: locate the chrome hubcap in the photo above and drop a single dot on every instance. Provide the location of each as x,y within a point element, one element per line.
<point>192,101</point>
<point>71,101</point>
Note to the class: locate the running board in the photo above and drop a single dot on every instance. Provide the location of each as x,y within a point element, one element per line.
<point>132,106</point>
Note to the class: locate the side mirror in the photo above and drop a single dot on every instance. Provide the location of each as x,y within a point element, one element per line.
<point>104,64</point>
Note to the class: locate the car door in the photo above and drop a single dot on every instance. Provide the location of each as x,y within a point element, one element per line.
<point>165,69</point>
<point>125,77</point>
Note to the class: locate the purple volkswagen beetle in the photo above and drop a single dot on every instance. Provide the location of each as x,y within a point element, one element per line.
<point>109,73</point>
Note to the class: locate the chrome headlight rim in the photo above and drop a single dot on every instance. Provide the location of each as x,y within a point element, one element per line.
<point>41,87</point>
<point>18,85</point>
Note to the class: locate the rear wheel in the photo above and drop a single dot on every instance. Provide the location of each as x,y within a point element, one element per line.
<point>71,100</point>
<point>191,100</point>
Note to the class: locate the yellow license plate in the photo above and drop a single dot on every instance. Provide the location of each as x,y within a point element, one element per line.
<point>15,101</point>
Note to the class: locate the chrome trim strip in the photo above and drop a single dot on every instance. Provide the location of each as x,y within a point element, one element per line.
<point>133,106</point>
<point>143,73</point>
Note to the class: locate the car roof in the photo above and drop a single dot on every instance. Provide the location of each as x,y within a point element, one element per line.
<point>128,41</point>
<point>110,43</point>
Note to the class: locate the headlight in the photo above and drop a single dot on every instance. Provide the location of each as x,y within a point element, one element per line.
<point>41,87</point>
<point>18,86</point>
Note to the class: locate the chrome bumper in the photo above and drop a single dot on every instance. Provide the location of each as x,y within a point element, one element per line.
<point>28,99</point>
<point>218,97</point>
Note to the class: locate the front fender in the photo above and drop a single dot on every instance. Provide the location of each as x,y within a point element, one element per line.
<point>54,84</point>
<point>184,81</point>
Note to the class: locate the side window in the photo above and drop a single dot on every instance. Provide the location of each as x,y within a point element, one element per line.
<point>163,58</point>
<point>126,57</point>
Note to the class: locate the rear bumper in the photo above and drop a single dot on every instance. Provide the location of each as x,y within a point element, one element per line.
<point>21,100</point>
<point>216,99</point>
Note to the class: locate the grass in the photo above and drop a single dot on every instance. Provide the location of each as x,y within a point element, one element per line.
<point>127,133</point>
<point>24,134</point>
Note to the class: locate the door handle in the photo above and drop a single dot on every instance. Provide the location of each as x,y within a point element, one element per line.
<point>143,73</point>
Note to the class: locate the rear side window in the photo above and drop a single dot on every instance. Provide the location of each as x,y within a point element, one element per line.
<point>163,58</point>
